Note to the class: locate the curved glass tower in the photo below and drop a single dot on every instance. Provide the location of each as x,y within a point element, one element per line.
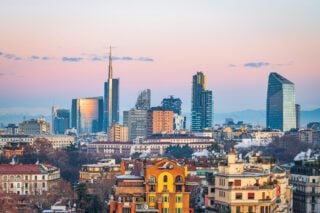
<point>281,109</point>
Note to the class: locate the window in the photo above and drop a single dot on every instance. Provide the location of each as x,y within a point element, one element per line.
<point>165,210</point>
<point>26,185</point>
<point>238,196</point>
<point>262,209</point>
<point>36,177</point>
<point>178,210</point>
<point>43,177</point>
<point>212,190</point>
<point>178,188</point>
<point>43,185</point>
<point>11,185</point>
<point>165,198</point>
<point>179,199</point>
<point>152,198</point>
<point>237,182</point>
<point>152,179</point>
<point>152,188</point>
<point>179,179</point>
<point>238,209</point>
<point>251,196</point>
<point>250,209</point>
<point>165,178</point>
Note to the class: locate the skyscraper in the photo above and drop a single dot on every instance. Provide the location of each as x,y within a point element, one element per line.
<point>111,99</point>
<point>173,104</point>
<point>87,115</point>
<point>60,120</point>
<point>144,100</point>
<point>202,104</point>
<point>136,120</point>
<point>298,109</point>
<point>281,109</point>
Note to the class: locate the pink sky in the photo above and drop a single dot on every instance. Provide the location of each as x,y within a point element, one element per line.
<point>181,37</point>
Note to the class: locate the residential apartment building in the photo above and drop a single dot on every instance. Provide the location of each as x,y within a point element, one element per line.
<point>118,133</point>
<point>27,179</point>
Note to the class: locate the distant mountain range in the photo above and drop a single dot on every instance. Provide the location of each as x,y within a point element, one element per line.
<point>256,117</point>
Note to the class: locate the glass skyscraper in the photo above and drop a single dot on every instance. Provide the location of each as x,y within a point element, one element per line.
<point>202,104</point>
<point>60,120</point>
<point>173,104</point>
<point>144,100</point>
<point>87,115</point>
<point>111,99</point>
<point>281,108</point>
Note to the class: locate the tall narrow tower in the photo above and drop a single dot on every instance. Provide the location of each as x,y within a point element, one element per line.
<point>111,98</point>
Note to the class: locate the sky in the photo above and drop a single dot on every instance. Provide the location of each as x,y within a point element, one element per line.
<point>52,51</point>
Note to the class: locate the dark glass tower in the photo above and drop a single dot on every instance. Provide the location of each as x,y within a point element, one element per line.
<point>173,104</point>
<point>202,104</point>
<point>60,120</point>
<point>281,109</point>
<point>111,99</point>
<point>144,100</point>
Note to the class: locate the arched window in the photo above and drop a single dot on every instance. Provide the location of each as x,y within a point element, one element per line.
<point>152,179</point>
<point>179,179</point>
<point>165,178</point>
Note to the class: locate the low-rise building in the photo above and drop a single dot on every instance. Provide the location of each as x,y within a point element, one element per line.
<point>162,188</point>
<point>58,141</point>
<point>104,169</point>
<point>305,179</point>
<point>118,133</point>
<point>34,127</point>
<point>27,179</point>
<point>5,139</point>
<point>249,187</point>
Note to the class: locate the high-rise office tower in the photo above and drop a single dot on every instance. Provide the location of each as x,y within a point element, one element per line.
<point>111,99</point>
<point>136,120</point>
<point>281,109</point>
<point>60,120</point>
<point>298,109</point>
<point>202,104</point>
<point>87,115</point>
<point>173,104</point>
<point>144,100</point>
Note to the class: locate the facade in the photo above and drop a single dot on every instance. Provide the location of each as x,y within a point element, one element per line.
<point>249,187</point>
<point>59,141</point>
<point>60,120</point>
<point>202,104</point>
<point>144,100</point>
<point>105,169</point>
<point>111,99</point>
<point>118,133</point>
<point>305,179</point>
<point>281,108</point>
<point>163,188</point>
<point>87,115</point>
<point>4,139</point>
<point>125,149</point>
<point>159,121</point>
<point>173,104</point>
<point>137,123</point>
<point>28,179</point>
<point>34,127</point>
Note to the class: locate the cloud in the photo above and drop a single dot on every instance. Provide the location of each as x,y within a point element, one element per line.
<point>36,57</point>
<point>89,57</point>
<point>72,59</point>
<point>145,59</point>
<point>256,64</point>
<point>232,65</point>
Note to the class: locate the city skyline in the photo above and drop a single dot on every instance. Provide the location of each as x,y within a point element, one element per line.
<point>231,57</point>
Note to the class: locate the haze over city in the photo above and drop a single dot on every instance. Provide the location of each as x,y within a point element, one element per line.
<point>53,51</point>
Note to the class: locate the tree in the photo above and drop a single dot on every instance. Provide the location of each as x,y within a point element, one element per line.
<point>179,152</point>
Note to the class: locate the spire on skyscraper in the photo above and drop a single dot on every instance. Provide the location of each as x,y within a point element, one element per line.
<point>110,65</point>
